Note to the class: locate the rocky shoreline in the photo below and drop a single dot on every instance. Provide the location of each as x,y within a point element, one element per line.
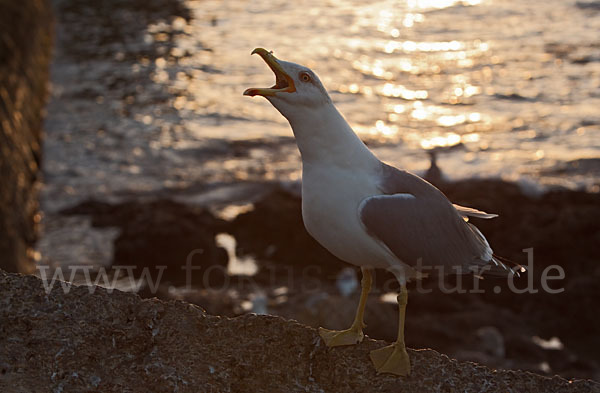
<point>297,278</point>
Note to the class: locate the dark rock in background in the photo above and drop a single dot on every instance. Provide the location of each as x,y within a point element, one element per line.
<point>563,228</point>
<point>81,341</point>
<point>25,46</point>
<point>162,233</point>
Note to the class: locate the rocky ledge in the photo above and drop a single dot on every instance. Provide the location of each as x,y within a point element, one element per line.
<point>89,339</point>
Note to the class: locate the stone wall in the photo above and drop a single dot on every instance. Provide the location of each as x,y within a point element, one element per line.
<point>25,46</point>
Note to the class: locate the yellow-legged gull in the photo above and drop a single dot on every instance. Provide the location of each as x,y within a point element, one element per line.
<point>365,212</point>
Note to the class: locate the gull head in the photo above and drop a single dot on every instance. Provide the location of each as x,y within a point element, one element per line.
<point>296,89</point>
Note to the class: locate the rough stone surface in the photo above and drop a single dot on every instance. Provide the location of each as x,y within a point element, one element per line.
<point>25,43</point>
<point>116,342</point>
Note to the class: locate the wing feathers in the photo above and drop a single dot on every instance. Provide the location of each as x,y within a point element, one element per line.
<point>416,221</point>
<point>466,212</point>
<point>426,229</point>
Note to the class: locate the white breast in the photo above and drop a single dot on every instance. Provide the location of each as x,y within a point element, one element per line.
<point>330,200</point>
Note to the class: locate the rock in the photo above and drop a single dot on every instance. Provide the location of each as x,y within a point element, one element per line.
<point>162,233</point>
<point>563,228</point>
<point>117,342</point>
<point>491,341</point>
<point>25,45</point>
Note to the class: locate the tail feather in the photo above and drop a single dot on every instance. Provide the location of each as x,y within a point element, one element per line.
<point>496,266</point>
<point>489,263</point>
<point>493,267</point>
<point>516,268</point>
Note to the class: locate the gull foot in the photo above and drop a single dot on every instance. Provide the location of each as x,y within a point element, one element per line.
<point>391,359</point>
<point>335,338</point>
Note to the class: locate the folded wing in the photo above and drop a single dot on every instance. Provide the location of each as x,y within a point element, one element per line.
<point>419,230</point>
<point>417,222</point>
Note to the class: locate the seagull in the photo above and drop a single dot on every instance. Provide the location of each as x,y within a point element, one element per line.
<point>366,212</point>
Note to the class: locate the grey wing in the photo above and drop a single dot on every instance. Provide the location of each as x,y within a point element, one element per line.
<point>415,220</point>
<point>425,228</point>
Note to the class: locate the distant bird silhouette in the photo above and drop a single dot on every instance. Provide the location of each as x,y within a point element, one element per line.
<point>434,173</point>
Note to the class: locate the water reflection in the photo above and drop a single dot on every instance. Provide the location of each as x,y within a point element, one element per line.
<point>439,4</point>
<point>417,74</point>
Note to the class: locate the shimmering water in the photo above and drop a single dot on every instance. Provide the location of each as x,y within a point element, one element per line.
<point>514,85</point>
<point>142,105</point>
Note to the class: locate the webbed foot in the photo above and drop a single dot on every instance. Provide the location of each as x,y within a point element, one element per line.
<point>335,338</point>
<point>391,359</point>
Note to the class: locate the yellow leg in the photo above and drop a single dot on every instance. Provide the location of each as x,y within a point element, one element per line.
<point>394,358</point>
<point>354,335</point>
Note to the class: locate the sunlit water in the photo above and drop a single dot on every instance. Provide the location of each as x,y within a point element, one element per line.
<point>516,85</point>
<point>506,89</point>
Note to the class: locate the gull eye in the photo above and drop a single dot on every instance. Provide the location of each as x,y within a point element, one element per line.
<point>304,77</point>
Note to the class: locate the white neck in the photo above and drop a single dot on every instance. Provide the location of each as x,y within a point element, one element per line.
<point>324,137</point>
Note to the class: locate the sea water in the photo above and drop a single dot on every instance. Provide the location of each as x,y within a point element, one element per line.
<point>502,88</point>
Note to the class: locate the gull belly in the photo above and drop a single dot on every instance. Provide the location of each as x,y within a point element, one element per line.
<point>331,197</point>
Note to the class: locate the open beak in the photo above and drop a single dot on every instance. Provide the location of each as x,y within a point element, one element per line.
<point>283,82</point>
